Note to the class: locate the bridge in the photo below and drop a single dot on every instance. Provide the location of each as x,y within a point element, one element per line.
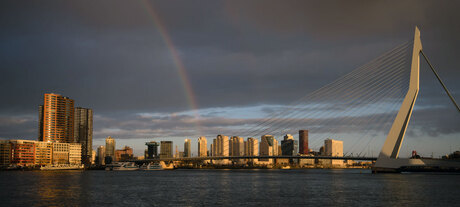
<point>358,101</point>
<point>253,157</point>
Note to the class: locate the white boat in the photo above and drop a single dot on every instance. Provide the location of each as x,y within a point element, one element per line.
<point>153,166</point>
<point>158,166</point>
<point>126,166</point>
<point>62,167</point>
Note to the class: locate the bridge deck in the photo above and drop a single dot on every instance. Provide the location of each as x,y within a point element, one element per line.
<point>255,157</point>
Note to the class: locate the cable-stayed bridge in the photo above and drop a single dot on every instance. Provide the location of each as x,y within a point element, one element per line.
<point>374,100</point>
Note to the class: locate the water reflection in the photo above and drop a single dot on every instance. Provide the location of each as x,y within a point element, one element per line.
<point>57,188</point>
<point>219,187</point>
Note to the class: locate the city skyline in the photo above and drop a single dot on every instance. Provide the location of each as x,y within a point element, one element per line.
<point>230,70</point>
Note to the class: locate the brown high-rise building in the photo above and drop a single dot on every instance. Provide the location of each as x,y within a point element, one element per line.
<point>56,119</point>
<point>303,142</point>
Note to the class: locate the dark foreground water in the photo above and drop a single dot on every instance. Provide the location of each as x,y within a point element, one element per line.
<point>228,188</point>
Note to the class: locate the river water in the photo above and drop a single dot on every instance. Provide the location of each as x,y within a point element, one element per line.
<point>319,187</point>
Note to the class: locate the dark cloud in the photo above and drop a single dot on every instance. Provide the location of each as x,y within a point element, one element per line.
<point>111,56</point>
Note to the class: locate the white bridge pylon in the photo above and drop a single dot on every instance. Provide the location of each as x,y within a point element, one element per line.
<point>396,135</point>
<point>388,160</point>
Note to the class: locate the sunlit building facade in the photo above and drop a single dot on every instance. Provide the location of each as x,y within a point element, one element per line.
<point>268,147</point>
<point>56,119</point>
<point>221,148</point>
<point>333,148</point>
<point>124,154</point>
<point>43,153</point>
<point>22,152</point>
<point>236,146</point>
<point>60,153</point>
<point>202,147</point>
<point>252,149</point>
<point>75,150</point>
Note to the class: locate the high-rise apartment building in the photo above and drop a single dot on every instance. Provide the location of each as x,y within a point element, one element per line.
<point>56,119</point>
<point>110,148</point>
<point>236,146</point>
<point>152,150</point>
<point>252,147</point>
<point>303,142</point>
<point>83,132</point>
<point>202,147</point>
<point>220,147</point>
<point>187,148</point>
<point>268,147</point>
<point>166,149</point>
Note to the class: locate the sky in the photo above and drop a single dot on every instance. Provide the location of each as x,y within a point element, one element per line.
<point>176,69</point>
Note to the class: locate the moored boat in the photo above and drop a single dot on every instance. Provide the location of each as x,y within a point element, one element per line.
<point>62,167</point>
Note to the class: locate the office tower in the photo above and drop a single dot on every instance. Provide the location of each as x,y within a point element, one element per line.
<point>166,149</point>
<point>237,146</point>
<point>5,153</point>
<point>75,150</point>
<point>202,147</point>
<point>101,155</point>
<point>289,146</point>
<point>268,147</point>
<point>43,153</point>
<point>303,142</point>
<point>152,150</point>
<point>22,152</point>
<point>110,148</point>
<point>333,148</point>
<point>187,148</point>
<point>61,153</point>
<point>124,154</point>
<point>83,132</point>
<point>57,119</point>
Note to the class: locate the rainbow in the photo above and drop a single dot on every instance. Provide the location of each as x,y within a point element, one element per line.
<point>188,90</point>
